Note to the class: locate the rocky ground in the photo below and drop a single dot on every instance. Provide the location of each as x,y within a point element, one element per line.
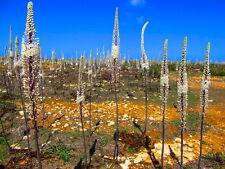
<point>60,132</point>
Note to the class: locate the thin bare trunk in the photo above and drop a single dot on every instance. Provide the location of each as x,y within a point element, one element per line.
<point>83,133</point>
<point>163,126</point>
<point>182,132</point>
<point>42,102</point>
<point>25,114</point>
<point>201,130</point>
<point>90,109</point>
<point>146,102</point>
<point>34,111</point>
<point>116,149</point>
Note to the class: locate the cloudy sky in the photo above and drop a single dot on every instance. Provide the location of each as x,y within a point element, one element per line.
<point>68,26</point>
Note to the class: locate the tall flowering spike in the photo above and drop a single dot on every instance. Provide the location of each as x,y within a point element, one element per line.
<point>31,73</point>
<point>30,30</point>
<point>116,38</point>
<point>10,39</point>
<point>17,53</point>
<point>52,60</point>
<point>164,88</point>
<point>80,87</point>
<point>204,98</point>
<point>115,50</point>
<point>41,65</point>
<point>182,82</point>
<point>182,89</point>
<point>205,80</point>
<point>143,53</point>
<point>164,78</point>
<point>10,53</point>
<point>90,68</point>
<point>30,56</point>
<point>53,55</point>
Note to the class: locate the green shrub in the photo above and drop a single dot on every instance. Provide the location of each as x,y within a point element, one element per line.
<point>172,67</point>
<point>62,151</point>
<point>2,141</point>
<point>132,150</point>
<point>217,71</point>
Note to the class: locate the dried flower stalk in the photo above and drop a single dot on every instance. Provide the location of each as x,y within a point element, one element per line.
<point>80,101</point>
<point>145,68</point>
<point>115,77</point>
<point>164,89</point>
<point>31,73</point>
<point>182,89</point>
<point>204,98</point>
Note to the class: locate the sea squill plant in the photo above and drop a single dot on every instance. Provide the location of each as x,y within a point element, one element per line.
<point>42,82</point>
<point>145,67</point>
<point>53,61</point>
<point>115,77</point>
<point>31,74</point>
<point>164,89</point>
<point>80,102</point>
<point>90,81</point>
<point>204,98</point>
<point>18,68</point>
<point>17,54</point>
<point>182,89</point>
<point>9,79</point>
<point>10,54</point>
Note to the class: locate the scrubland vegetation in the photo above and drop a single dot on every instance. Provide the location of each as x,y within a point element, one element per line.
<point>109,113</point>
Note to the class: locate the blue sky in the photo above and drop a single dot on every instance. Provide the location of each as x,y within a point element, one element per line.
<point>70,25</point>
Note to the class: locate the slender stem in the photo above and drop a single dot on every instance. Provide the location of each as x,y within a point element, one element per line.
<point>116,150</point>
<point>182,131</point>
<point>146,103</point>
<point>182,145</point>
<point>163,124</point>
<point>36,133</point>
<point>83,133</point>
<point>90,109</point>
<point>24,113</point>
<point>201,130</point>
<point>42,101</point>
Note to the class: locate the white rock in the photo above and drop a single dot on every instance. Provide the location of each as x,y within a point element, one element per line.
<point>126,164</point>
<point>21,113</point>
<point>111,123</point>
<point>152,118</point>
<point>66,125</point>
<point>125,116</point>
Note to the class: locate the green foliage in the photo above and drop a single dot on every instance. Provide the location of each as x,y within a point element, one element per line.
<point>2,141</point>
<point>62,151</point>
<point>176,122</point>
<point>172,67</point>
<point>193,99</point>
<point>104,142</point>
<point>6,104</point>
<point>153,87</point>
<point>192,120</point>
<point>209,155</point>
<point>154,71</point>
<point>3,153</point>
<point>132,150</point>
<point>215,156</point>
<point>217,71</point>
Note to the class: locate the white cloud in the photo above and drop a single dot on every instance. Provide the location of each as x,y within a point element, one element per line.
<point>137,2</point>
